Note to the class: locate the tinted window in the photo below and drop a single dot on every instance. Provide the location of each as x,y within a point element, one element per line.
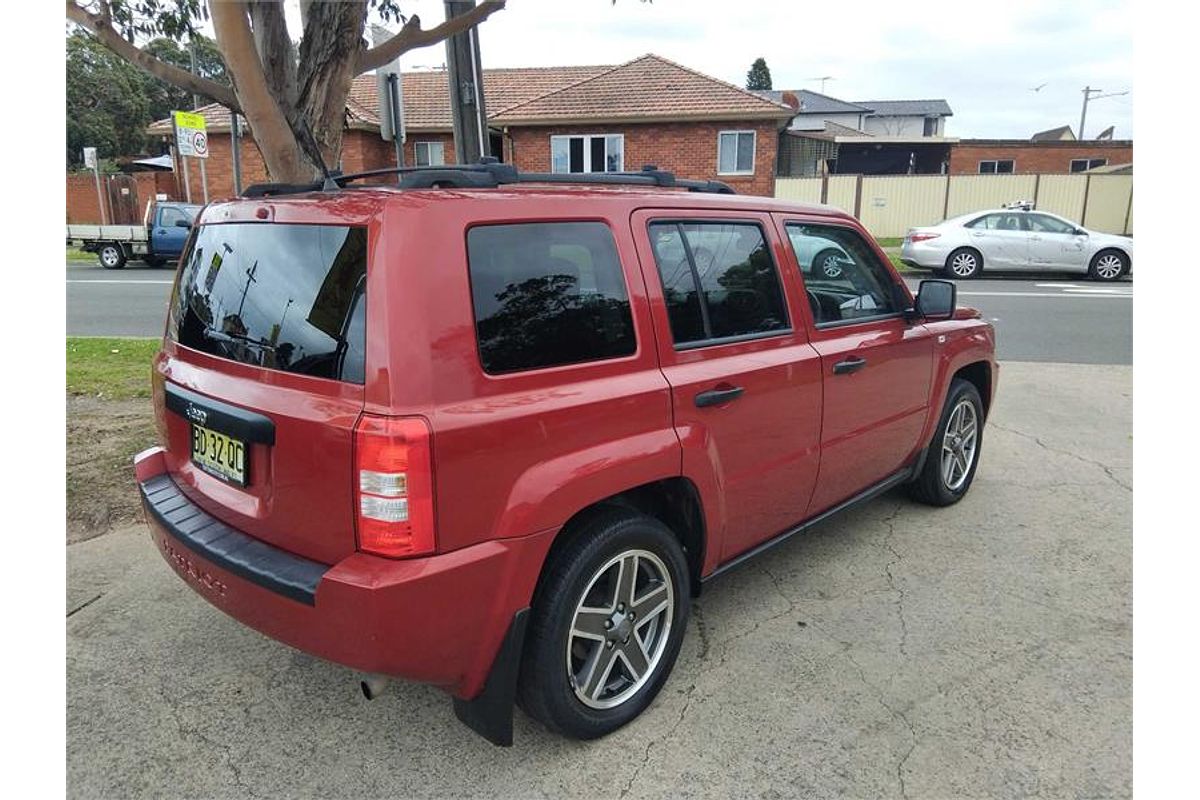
<point>718,280</point>
<point>286,297</point>
<point>547,294</point>
<point>853,286</point>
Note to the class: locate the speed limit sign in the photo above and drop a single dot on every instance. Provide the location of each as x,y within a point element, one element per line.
<point>200,144</point>
<point>190,134</point>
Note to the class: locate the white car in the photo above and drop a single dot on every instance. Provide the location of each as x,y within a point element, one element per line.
<point>1016,239</point>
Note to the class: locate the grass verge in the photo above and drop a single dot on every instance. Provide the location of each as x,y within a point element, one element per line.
<point>109,419</point>
<point>75,254</point>
<point>111,369</point>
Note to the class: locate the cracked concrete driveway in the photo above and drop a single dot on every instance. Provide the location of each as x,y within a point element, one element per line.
<point>899,651</point>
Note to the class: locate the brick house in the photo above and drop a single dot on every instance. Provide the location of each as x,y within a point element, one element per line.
<point>553,119</point>
<point>1025,156</point>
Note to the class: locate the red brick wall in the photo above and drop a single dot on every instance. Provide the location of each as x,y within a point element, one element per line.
<point>365,150</point>
<point>689,149</point>
<point>219,166</point>
<point>84,208</point>
<point>1031,157</point>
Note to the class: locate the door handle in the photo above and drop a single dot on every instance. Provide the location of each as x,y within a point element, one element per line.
<point>715,397</point>
<point>852,364</point>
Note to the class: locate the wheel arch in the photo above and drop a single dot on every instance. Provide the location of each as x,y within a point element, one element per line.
<point>673,501</point>
<point>978,374</point>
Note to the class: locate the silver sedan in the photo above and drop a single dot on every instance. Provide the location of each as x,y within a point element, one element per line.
<point>1016,239</point>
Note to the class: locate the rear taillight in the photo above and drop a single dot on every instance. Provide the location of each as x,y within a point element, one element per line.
<point>922,237</point>
<point>394,471</point>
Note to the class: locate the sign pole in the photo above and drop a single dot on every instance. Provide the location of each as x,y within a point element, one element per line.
<point>234,145</point>
<point>204,178</point>
<point>90,160</point>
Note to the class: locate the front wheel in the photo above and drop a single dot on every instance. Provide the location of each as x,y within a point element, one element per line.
<point>1108,265</point>
<point>112,256</point>
<point>607,622</point>
<point>953,454</point>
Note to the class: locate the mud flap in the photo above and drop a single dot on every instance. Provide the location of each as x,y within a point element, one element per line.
<point>490,713</point>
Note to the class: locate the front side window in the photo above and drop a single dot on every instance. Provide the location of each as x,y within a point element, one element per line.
<point>430,154</point>
<point>1042,223</point>
<point>547,294</point>
<point>735,152</point>
<point>591,153</point>
<point>170,216</point>
<point>284,297</point>
<point>998,167</point>
<point>861,289</point>
<point>719,280</point>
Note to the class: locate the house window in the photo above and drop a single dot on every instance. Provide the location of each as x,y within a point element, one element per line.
<point>930,127</point>
<point>430,154</point>
<point>1084,164</point>
<point>735,153</point>
<point>999,167</point>
<point>600,152</point>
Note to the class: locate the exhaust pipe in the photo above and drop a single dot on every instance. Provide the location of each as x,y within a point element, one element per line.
<point>373,685</point>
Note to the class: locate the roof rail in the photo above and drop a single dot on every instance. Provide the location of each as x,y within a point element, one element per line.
<point>490,173</point>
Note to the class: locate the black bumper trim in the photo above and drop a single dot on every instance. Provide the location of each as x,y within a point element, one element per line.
<point>258,562</point>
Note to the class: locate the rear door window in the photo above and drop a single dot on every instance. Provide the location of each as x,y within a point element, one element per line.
<point>547,294</point>
<point>285,297</point>
<point>719,281</point>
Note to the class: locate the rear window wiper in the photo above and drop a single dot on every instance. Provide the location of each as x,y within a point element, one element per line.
<point>237,338</point>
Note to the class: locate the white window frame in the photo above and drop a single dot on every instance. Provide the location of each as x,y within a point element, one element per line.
<point>428,143</point>
<point>587,151</point>
<point>996,166</point>
<point>753,152</point>
<point>1087,164</point>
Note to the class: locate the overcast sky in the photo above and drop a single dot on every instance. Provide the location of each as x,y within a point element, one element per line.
<point>984,59</point>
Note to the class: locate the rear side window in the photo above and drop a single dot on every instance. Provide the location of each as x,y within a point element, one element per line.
<point>285,297</point>
<point>547,294</point>
<point>719,280</point>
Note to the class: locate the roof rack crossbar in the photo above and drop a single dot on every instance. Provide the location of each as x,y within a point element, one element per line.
<point>489,173</point>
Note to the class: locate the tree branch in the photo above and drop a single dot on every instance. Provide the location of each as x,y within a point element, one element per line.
<point>411,36</point>
<point>100,27</point>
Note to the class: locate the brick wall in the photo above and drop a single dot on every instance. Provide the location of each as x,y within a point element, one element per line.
<point>689,149</point>
<point>1034,157</point>
<point>83,206</point>
<point>366,150</point>
<point>219,166</point>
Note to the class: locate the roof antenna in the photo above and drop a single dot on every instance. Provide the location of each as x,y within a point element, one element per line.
<point>308,143</point>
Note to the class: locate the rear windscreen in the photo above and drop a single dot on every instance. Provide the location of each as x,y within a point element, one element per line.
<point>286,297</point>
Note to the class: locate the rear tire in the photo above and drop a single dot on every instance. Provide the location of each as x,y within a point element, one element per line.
<point>112,256</point>
<point>964,263</point>
<point>953,455</point>
<point>1108,265</point>
<point>576,677</point>
<point>828,263</point>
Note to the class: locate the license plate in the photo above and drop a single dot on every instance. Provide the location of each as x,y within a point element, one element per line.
<point>219,455</point>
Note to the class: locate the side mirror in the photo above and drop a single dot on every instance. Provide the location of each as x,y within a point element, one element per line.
<point>182,223</point>
<point>937,299</point>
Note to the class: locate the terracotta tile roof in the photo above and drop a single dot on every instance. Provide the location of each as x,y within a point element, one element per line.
<point>647,88</point>
<point>427,94</point>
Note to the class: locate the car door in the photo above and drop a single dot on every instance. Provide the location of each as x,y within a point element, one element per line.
<point>745,383</point>
<point>1055,243</point>
<point>1002,239</point>
<point>876,366</point>
<point>167,237</point>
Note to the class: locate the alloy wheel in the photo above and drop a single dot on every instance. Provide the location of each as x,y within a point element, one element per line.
<point>964,264</point>
<point>1109,266</point>
<point>959,444</point>
<point>109,256</point>
<point>831,267</point>
<point>620,629</point>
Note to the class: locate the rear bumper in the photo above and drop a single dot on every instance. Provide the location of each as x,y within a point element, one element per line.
<point>922,255</point>
<point>437,620</point>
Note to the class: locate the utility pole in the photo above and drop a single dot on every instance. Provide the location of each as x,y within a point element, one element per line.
<point>466,89</point>
<point>1090,94</point>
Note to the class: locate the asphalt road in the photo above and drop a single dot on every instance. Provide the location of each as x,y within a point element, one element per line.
<point>897,651</point>
<point>1036,319</point>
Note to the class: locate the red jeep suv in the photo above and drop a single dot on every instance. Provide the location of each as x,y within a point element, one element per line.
<point>493,431</point>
